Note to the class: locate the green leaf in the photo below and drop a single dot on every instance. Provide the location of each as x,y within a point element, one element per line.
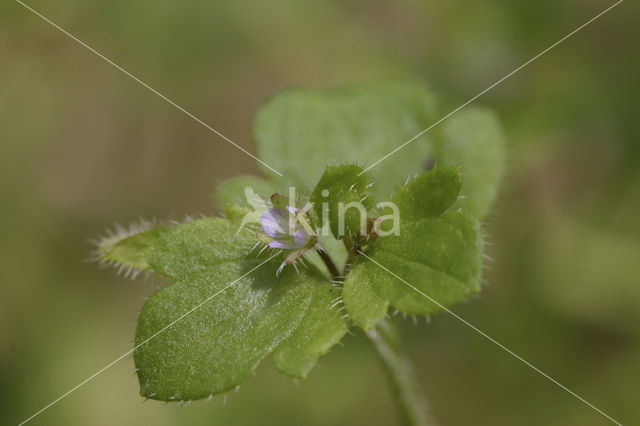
<point>430,194</point>
<point>231,191</point>
<point>437,251</point>
<point>338,187</point>
<point>129,249</point>
<point>474,139</point>
<point>440,256</point>
<point>319,330</point>
<point>215,347</point>
<point>300,131</point>
<point>366,309</point>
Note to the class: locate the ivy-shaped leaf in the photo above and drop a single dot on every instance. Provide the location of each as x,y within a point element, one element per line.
<point>300,131</point>
<point>215,347</point>
<point>440,256</point>
<point>437,251</point>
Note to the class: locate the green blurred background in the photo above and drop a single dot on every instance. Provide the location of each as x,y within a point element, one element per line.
<point>82,146</point>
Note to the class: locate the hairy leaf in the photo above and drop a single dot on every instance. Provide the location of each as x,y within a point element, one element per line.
<point>364,306</point>
<point>129,249</point>
<point>300,131</point>
<point>439,256</point>
<point>430,194</point>
<point>249,314</point>
<point>437,251</point>
<point>320,329</point>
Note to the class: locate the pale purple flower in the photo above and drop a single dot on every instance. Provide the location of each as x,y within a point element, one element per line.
<point>301,238</point>
<point>275,223</point>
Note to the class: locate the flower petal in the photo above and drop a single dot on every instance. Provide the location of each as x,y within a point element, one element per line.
<point>301,238</point>
<point>285,245</point>
<point>275,222</point>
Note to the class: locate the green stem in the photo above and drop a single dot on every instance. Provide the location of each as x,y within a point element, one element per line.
<point>333,269</point>
<point>411,404</point>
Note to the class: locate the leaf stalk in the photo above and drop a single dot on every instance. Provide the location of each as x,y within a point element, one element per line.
<point>411,404</point>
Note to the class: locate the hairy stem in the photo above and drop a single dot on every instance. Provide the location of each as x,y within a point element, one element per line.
<point>352,249</point>
<point>333,269</point>
<point>411,405</point>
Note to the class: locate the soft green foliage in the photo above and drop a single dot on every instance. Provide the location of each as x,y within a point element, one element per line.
<point>320,329</point>
<point>219,344</point>
<point>441,256</point>
<point>300,131</point>
<point>230,306</point>
<point>366,308</point>
<point>473,139</point>
<point>129,249</point>
<point>437,251</point>
<point>342,185</point>
<point>430,194</point>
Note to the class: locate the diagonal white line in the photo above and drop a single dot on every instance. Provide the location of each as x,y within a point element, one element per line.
<point>501,346</point>
<point>493,85</point>
<point>145,85</point>
<point>124,355</point>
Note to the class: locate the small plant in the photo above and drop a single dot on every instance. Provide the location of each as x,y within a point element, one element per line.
<point>289,274</point>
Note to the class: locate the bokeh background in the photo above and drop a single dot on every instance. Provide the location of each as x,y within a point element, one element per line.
<point>83,146</point>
